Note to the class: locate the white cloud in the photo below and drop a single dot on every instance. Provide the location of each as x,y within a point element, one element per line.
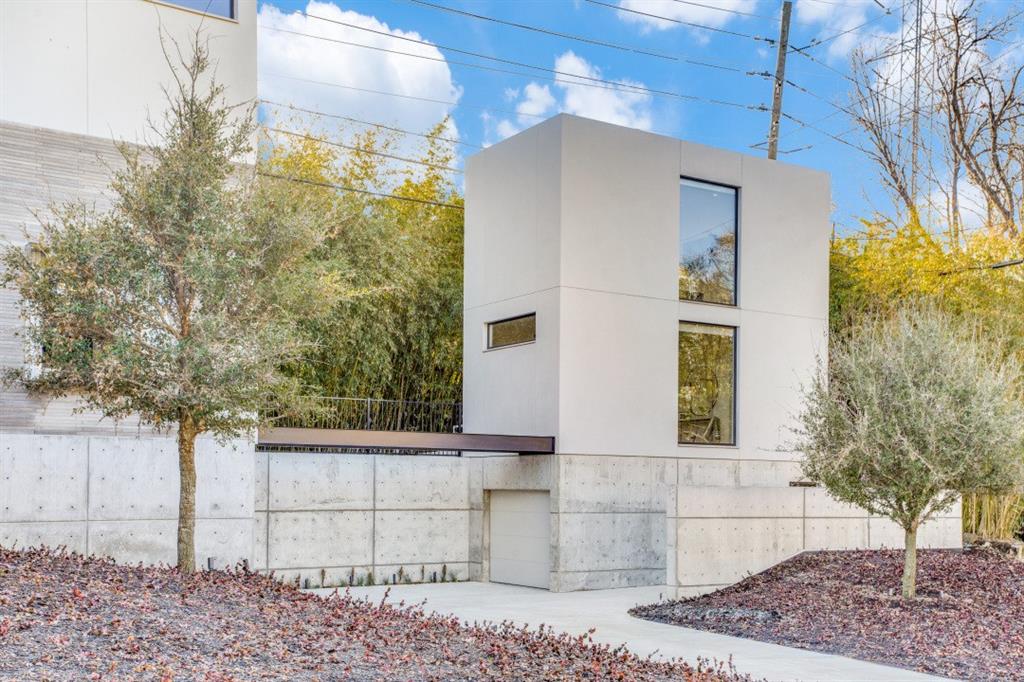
<point>707,13</point>
<point>321,60</point>
<point>834,19</point>
<point>537,101</point>
<point>622,107</point>
<point>575,94</point>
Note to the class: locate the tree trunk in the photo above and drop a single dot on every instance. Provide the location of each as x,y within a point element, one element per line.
<point>187,494</point>
<point>910,564</point>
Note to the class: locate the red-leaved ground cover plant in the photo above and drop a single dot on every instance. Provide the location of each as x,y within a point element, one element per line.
<point>967,621</point>
<point>63,616</point>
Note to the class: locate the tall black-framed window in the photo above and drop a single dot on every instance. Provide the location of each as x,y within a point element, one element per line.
<point>707,384</point>
<point>707,241</point>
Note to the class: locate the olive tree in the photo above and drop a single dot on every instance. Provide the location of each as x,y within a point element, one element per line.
<point>165,306</point>
<point>911,409</point>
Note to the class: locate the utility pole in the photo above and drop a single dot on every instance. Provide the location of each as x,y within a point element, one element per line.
<point>780,79</point>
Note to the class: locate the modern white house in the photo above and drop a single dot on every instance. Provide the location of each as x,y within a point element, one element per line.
<point>655,305</point>
<point>651,304</point>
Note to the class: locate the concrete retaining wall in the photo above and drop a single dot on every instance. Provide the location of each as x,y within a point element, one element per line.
<point>329,519</point>
<point>322,518</point>
<point>719,535</point>
<point>118,496</point>
<point>609,521</point>
<point>693,524</point>
<point>333,520</point>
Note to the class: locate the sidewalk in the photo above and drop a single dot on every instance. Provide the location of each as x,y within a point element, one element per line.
<point>606,610</point>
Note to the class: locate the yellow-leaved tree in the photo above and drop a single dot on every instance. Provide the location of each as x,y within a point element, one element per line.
<point>882,268</point>
<point>387,321</point>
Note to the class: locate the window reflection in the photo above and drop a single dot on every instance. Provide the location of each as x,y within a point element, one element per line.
<point>707,242</point>
<point>706,383</point>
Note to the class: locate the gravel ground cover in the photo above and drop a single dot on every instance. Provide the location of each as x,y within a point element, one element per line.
<point>65,617</point>
<point>967,622</point>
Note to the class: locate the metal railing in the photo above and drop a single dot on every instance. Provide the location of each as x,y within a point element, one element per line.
<point>375,414</point>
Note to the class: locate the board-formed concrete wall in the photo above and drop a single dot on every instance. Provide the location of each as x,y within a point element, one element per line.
<point>336,519</point>
<point>117,496</point>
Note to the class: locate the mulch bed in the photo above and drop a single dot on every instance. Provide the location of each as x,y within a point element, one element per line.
<point>967,622</point>
<point>63,616</point>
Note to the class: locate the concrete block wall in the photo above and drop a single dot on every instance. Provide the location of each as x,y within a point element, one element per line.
<point>331,519</point>
<point>118,496</point>
<point>717,535</point>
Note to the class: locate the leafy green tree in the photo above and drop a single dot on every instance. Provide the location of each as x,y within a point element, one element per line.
<point>885,267</point>
<point>168,306</point>
<point>912,408</point>
<point>386,320</point>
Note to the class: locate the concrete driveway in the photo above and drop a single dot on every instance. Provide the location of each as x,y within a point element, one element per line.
<point>606,610</point>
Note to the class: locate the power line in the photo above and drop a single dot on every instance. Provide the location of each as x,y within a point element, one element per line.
<point>986,266</point>
<point>837,138</point>
<point>369,123</point>
<point>881,93</point>
<point>736,34</point>
<point>583,39</point>
<point>730,11</point>
<point>821,41</point>
<point>559,76</point>
<point>838,108</point>
<point>599,82</point>
<point>418,99</point>
<point>615,85</point>
<point>546,31</point>
<point>401,95</point>
<point>331,185</point>
<point>760,145</point>
<point>352,148</point>
<point>845,3</point>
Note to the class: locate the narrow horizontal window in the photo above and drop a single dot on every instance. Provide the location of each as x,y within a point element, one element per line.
<point>512,331</point>
<point>707,384</point>
<point>707,242</point>
<point>219,8</point>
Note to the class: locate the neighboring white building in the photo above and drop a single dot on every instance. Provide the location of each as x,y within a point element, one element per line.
<point>655,305</point>
<point>76,76</point>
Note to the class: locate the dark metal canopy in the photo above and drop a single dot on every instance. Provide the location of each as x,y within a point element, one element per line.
<point>405,440</point>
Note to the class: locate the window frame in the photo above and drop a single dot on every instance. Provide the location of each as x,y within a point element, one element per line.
<point>736,255</point>
<point>734,441</point>
<point>487,332</point>
<point>173,4</point>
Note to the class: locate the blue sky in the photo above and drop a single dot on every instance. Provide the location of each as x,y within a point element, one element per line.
<point>515,101</point>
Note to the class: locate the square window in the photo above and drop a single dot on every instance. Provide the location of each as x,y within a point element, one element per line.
<point>512,331</point>
<point>707,242</point>
<point>707,384</point>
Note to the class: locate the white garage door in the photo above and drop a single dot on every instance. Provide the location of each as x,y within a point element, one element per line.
<point>520,537</point>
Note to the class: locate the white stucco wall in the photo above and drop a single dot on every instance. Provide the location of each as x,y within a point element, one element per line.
<point>96,67</point>
<point>578,221</point>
